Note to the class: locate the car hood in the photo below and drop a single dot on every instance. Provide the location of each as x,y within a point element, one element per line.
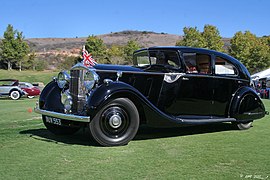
<point>110,67</point>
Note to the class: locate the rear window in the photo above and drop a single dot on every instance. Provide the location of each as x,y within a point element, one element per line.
<point>224,67</point>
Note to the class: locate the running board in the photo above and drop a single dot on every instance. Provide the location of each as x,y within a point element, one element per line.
<point>204,121</point>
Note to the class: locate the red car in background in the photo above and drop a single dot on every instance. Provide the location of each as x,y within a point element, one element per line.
<point>30,89</point>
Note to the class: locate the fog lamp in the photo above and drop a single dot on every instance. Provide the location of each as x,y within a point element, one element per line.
<point>66,100</point>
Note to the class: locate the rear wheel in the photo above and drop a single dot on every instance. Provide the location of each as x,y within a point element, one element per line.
<point>15,95</point>
<point>59,130</point>
<point>244,126</point>
<point>116,123</point>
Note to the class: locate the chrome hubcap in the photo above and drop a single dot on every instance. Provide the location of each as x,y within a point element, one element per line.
<point>115,121</point>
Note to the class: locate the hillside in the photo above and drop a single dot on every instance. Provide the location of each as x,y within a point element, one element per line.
<point>145,39</point>
<point>50,48</point>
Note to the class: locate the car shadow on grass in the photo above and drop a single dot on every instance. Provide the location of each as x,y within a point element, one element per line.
<point>145,133</point>
<point>83,137</point>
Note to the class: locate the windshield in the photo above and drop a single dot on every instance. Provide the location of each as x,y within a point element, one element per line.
<point>25,85</point>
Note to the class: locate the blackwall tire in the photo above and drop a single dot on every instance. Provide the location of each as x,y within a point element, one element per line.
<point>116,123</point>
<point>59,130</point>
<point>15,95</point>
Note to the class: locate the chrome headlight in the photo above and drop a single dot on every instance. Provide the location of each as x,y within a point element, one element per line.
<point>63,79</point>
<point>90,79</point>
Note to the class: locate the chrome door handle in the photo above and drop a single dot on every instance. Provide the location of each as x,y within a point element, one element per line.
<point>185,79</point>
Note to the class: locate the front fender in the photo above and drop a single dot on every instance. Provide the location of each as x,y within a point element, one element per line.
<point>246,105</point>
<point>102,94</point>
<point>50,98</point>
<point>148,112</point>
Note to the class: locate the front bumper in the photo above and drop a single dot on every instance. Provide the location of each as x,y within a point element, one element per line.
<point>70,117</point>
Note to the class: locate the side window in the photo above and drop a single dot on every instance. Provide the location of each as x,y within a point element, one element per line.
<point>197,63</point>
<point>141,58</point>
<point>164,58</point>
<point>224,67</point>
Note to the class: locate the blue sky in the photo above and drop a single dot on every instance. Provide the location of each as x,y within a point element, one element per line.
<point>81,18</point>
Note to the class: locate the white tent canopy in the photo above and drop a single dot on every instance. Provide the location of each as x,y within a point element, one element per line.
<point>262,74</point>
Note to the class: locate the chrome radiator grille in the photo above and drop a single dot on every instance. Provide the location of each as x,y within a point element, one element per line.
<point>77,91</point>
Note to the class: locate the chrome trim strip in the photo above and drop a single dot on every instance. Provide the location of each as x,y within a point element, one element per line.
<point>70,117</point>
<point>130,72</point>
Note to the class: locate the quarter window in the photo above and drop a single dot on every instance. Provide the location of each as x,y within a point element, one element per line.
<point>224,67</point>
<point>197,63</point>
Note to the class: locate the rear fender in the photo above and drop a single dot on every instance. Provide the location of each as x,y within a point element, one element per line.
<point>246,105</point>
<point>17,89</point>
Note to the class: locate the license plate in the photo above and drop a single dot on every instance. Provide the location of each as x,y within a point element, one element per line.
<point>53,120</point>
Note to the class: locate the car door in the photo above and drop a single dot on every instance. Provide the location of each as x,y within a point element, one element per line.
<point>194,89</point>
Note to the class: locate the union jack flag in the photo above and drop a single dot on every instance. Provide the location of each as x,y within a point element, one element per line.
<point>88,60</point>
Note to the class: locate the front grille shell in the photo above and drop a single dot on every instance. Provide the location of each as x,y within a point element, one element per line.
<point>77,90</point>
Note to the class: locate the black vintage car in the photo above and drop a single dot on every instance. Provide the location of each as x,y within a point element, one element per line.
<point>166,87</point>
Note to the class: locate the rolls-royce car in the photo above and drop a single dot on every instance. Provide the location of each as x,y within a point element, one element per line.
<point>165,87</point>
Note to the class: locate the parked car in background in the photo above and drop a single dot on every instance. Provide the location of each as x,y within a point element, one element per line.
<point>31,90</point>
<point>263,87</point>
<point>10,88</point>
<point>166,87</point>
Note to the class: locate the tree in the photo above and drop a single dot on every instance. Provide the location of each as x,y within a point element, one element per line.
<point>8,53</point>
<point>266,39</point>
<point>22,49</point>
<point>97,48</point>
<point>209,38</point>
<point>128,51</point>
<point>192,38</point>
<point>253,52</point>
<point>212,38</point>
<point>13,50</point>
<point>68,62</point>
<point>116,54</point>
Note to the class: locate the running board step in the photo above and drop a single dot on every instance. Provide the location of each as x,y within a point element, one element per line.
<point>204,121</point>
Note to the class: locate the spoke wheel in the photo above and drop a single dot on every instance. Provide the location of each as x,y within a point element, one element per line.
<point>116,123</point>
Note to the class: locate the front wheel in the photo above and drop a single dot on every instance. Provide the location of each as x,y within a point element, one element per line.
<point>116,123</point>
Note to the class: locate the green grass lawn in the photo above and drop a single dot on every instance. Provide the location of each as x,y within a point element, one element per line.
<point>28,76</point>
<point>29,151</point>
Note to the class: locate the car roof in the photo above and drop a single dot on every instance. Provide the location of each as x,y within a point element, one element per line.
<point>200,50</point>
<point>8,80</point>
<point>187,49</point>
<point>184,48</point>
